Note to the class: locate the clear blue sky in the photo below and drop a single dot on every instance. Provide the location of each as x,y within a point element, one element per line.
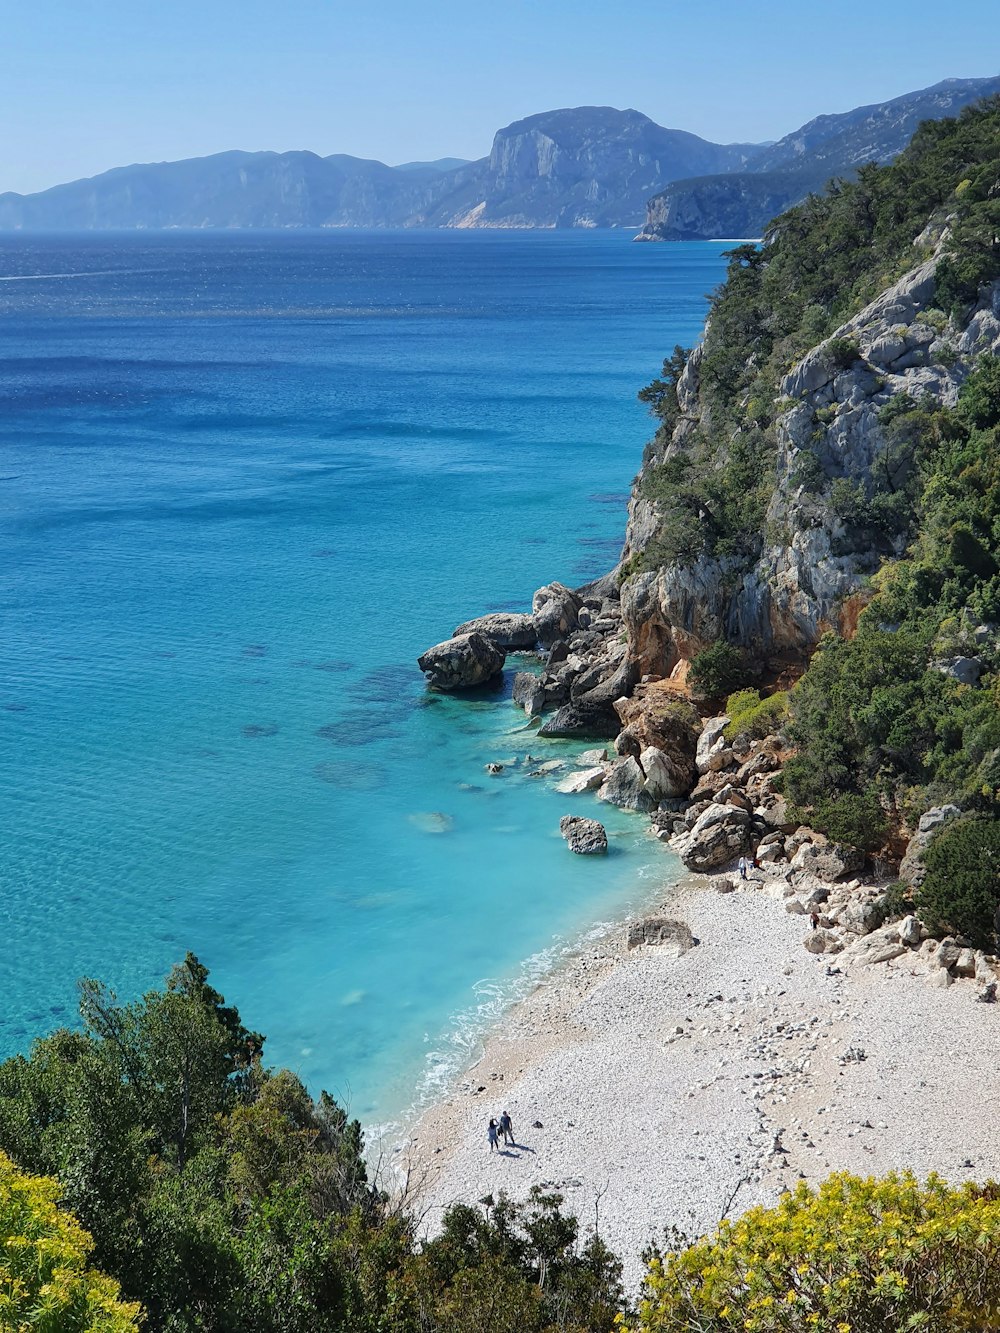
<point>90,84</point>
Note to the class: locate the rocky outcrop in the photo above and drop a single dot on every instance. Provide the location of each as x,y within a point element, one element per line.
<point>625,786</point>
<point>556,611</point>
<point>812,568</point>
<point>718,836</point>
<point>461,663</point>
<point>586,837</point>
<point>508,630</point>
<point>911,868</point>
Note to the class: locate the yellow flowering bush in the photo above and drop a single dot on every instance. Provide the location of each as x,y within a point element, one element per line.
<point>45,1285</point>
<point>853,1256</point>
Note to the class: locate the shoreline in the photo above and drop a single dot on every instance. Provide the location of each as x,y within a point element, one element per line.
<point>659,1086</point>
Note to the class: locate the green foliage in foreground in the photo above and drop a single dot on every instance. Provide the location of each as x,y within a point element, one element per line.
<point>961,890</point>
<point>854,1256</point>
<point>224,1198</point>
<point>45,1283</point>
<point>754,718</point>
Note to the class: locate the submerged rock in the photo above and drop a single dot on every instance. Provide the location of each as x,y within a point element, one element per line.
<point>461,662</point>
<point>508,630</point>
<point>586,837</point>
<point>432,821</point>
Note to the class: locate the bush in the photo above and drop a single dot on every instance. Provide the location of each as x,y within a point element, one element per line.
<point>717,670</point>
<point>843,352</point>
<point>862,1255</point>
<point>857,820</point>
<point>44,1280</point>
<point>754,717</point>
<point>961,891</point>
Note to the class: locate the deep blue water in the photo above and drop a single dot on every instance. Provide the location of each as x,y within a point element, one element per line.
<point>245,480</point>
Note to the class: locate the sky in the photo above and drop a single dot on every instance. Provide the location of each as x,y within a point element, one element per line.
<point>86,85</point>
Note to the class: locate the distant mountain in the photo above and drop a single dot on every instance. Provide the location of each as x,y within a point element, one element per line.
<point>740,204</point>
<point>581,167</point>
<point>440,164</point>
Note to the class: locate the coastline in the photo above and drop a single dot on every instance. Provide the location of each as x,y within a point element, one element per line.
<point>664,1087</point>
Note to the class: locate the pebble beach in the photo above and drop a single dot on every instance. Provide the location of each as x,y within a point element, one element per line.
<point>666,1085</point>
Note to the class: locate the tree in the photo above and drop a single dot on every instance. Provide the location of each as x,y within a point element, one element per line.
<point>961,890</point>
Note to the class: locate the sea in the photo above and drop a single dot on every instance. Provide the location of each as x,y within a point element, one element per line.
<point>245,479</point>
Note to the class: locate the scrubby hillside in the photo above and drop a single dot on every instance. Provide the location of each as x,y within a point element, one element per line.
<point>832,444</point>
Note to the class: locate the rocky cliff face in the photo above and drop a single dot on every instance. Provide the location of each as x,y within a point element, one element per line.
<point>784,173</point>
<point>810,574</point>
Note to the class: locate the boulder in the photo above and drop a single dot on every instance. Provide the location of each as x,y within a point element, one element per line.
<point>673,937</point>
<point>909,931</point>
<point>588,758</point>
<point>966,670</point>
<point>587,779</point>
<point>828,861</point>
<point>666,776</point>
<point>461,663</point>
<point>555,611</point>
<point>625,786</point>
<point>730,795</point>
<point>529,692</point>
<point>719,834</point>
<point>862,916</point>
<point>508,630</point>
<point>582,719</point>
<point>586,837</point>
<point>711,742</point>
<point>911,868</point>
<point>823,941</point>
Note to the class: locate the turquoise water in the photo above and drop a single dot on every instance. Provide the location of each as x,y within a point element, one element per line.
<point>245,480</point>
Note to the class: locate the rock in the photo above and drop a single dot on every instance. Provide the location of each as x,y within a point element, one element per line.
<point>911,868</point>
<point>776,814</point>
<point>947,954</point>
<point>507,630</point>
<point>666,778</point>
<point>965,964</point>
<point>529,692</point>
<point>586,837</point>
<point>432,821</point>
<point>966,670</point>
<point>588,779</point>
<point>885,953</point>
<point>941,977</point>
<point>711,734</point>
<point>726,884</point>
<point>718,835</point>
<point>730,795</point>
<point>625,786</point>
<point>828,861</point>
<point>582,719</point>
<point>909,931</point>
<point>494,768</point>
<point>588,758</point>
<point>555,611</point>
<point>795,906</point>
<point>862,916</point>
<point>823,941</point>
<point>673,937</point>
<point>461,663</point>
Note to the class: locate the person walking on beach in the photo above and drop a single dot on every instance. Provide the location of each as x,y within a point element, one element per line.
<point>507,1128</point>
<point>491,1134</point>
<point>741,866</point>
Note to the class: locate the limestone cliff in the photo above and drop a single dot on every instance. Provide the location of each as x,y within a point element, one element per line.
<point>810,572</point>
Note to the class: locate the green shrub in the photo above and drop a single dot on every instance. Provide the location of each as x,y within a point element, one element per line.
<point>843,352</point>
<point>855,819</point>
<point>862,1255</point>
<point>718,669</point>
<point>961,890</point>
<point>754,717</point>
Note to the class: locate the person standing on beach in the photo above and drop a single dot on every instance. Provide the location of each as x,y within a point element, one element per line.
<point>741,866</point>
<point>507,1128</point>
<point>491,1134</point>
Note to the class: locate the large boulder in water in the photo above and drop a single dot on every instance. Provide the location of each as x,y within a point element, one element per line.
<point>586,837</point>
<point>625,786</point>
<point>461,662</point>
<point>506,629</point>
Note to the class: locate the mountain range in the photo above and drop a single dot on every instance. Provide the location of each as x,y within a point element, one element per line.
<point>575,167</point>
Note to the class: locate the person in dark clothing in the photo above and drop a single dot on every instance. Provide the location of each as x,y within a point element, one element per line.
<point>507,1128</point>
